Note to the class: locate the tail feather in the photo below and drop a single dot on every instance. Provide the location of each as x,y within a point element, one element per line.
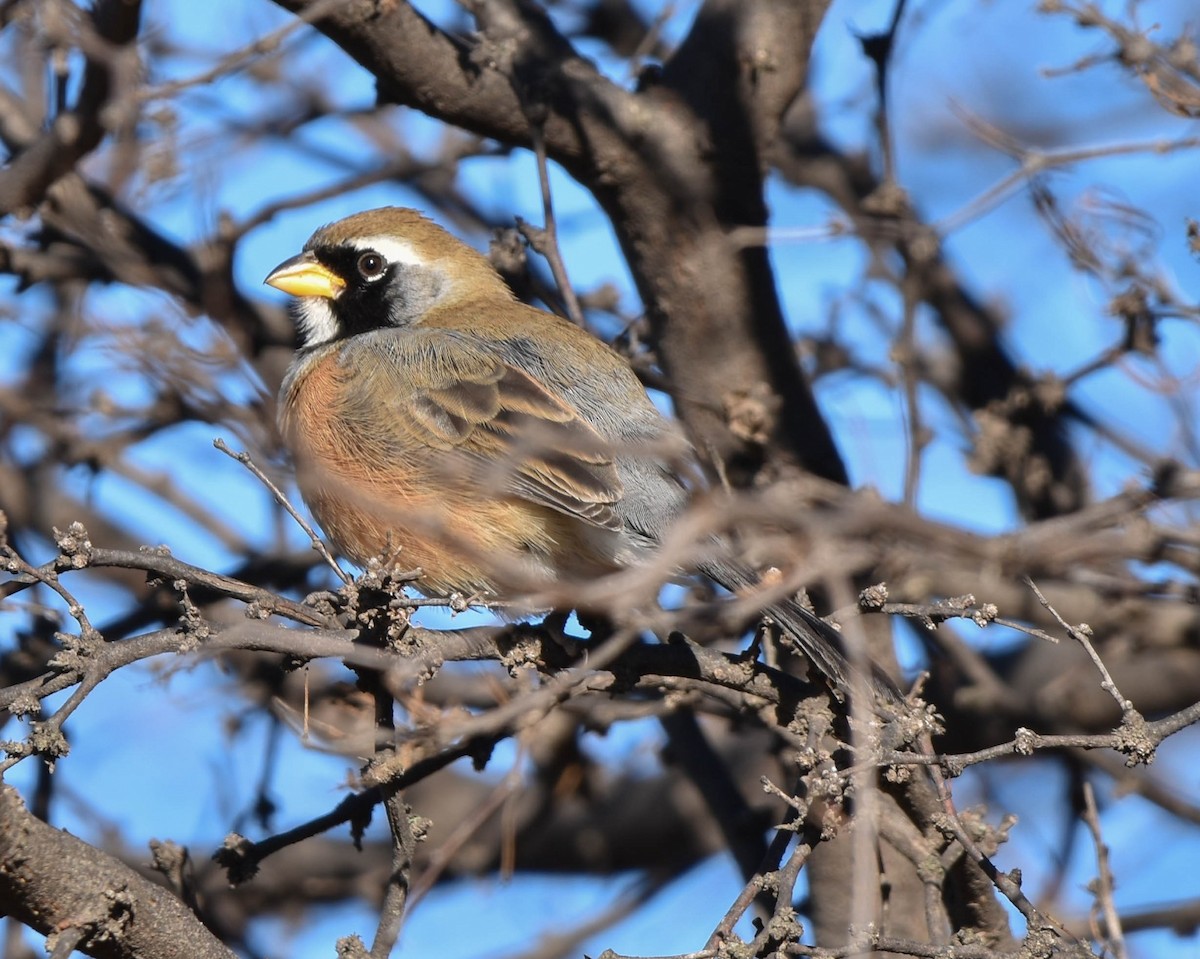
<point>817,639</point>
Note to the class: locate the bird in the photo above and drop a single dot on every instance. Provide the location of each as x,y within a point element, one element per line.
<point>433,416</point>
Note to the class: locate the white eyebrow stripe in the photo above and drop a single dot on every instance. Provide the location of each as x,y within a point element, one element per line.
<point>392,249</point>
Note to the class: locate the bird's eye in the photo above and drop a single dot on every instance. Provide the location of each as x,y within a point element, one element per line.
<point>371,266</point>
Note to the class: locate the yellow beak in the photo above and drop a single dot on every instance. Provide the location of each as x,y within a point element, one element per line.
<point>304,275</point>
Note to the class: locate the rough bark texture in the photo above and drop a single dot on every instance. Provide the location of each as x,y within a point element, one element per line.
<point>61,886</point>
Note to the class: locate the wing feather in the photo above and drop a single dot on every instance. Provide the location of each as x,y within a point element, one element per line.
<point>511,430</point>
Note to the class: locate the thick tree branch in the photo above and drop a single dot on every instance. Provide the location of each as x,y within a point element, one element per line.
<point>55,883</point>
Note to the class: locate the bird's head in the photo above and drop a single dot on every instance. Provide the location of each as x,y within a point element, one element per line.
<point>380,268</point>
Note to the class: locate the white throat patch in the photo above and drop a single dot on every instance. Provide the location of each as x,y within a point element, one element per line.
<point>314,315</point>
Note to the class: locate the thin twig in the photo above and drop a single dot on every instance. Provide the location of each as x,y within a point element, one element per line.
<point>1103,885</point>
<point>880,48</point>
<point>545,241</point>
<point>243,56</point>
<point>1080,634</point>
<point>441,857</point>
<point>282,500</point>
<point>1035,162</point>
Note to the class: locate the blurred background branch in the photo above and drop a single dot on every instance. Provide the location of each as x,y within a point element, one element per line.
<point>917,280</point>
